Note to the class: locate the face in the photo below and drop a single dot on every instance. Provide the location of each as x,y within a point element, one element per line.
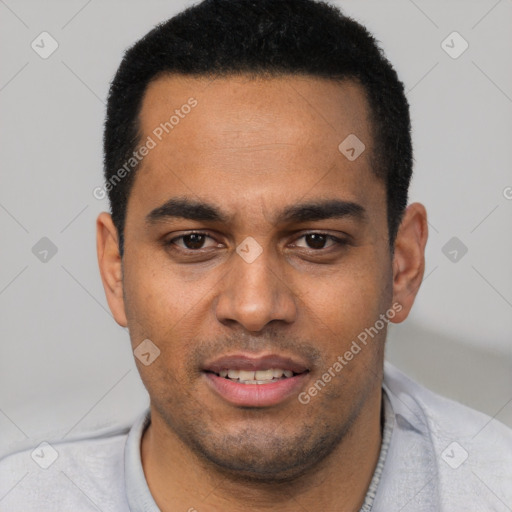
<point>252,243</point>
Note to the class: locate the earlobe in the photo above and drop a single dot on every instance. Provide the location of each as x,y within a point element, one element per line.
<point>109,261</point>
<point>409,258</point>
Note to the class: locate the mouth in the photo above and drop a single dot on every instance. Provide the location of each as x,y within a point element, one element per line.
<point>255,382</point>
<point>255,377</point>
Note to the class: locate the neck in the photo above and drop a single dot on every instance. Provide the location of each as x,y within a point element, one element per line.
<point>179,480</point>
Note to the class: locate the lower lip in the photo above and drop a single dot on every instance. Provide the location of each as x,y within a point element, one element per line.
<point>255,395</point>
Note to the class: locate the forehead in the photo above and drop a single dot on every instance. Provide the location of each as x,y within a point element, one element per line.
<point>241,109</point>
<point>231,137</point>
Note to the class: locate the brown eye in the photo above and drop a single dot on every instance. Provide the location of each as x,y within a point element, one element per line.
<point>194,241</point>
<point>318,241</point>
<point>191,241</point>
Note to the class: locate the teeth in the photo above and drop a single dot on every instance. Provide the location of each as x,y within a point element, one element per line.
<point>256,377</point>
<point>245,375</point>
<point>264,375</point>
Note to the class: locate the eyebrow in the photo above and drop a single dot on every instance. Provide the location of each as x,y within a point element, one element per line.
<point>322,210</point>
<point>185,208</point>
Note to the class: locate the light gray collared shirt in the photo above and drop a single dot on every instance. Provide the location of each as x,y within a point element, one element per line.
<point>436,455</point>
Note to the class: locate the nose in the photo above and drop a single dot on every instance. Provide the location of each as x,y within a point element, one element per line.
<point>255,293</point>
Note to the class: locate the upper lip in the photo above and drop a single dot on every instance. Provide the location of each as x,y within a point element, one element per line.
<point>255,363</point>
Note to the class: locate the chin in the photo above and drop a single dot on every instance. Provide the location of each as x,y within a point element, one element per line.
<point>265,457</point>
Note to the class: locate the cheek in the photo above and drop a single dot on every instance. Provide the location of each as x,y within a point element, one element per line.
<point>353,297</point>
<point>158,296</point>
<point>163,306</point>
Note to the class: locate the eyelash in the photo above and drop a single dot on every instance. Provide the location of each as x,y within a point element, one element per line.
<point>337,241</point>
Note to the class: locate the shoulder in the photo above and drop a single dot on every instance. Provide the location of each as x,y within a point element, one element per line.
<point>472,451</point>
<point>82,474</point>
<point>446,417</point>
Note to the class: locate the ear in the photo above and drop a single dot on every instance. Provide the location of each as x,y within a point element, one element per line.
<point>409,258</point>
<point>109,261</point>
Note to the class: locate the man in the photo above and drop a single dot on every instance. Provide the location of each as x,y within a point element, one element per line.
<point>257,160</point>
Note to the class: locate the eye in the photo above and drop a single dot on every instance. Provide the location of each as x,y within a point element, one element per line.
<point>192,241</point>
<point>317,241</point>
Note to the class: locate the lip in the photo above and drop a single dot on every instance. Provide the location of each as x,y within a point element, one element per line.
<point>255,395</point>
<point>246,362</point>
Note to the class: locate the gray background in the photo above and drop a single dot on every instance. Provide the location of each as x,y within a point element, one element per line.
<point>66,367</point>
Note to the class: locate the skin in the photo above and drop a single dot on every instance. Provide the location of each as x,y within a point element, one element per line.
<point>253,147</point>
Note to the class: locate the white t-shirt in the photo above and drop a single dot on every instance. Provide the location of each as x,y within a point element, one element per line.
<point>437,456</point>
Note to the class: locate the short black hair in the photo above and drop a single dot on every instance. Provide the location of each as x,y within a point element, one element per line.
<point>261,37</point>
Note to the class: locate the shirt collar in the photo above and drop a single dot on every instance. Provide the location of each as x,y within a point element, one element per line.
<point>409,479</point>
<point>137,491</point>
